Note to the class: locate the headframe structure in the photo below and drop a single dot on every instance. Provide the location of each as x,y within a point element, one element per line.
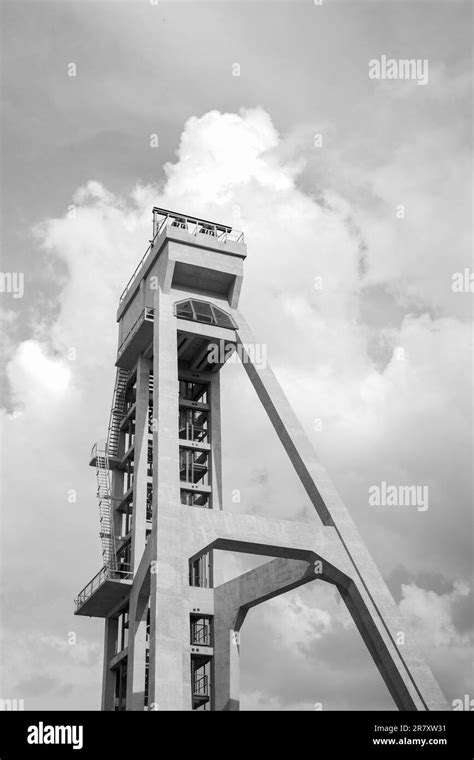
<point>171,637</point>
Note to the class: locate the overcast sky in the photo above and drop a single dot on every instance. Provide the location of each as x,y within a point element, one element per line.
<point>361,186</point>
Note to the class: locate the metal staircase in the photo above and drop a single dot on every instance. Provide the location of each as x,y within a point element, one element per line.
<point>107,533</point>
<point>102,455</point>
<point>117,412</point>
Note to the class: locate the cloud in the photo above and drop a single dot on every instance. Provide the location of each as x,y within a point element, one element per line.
<point>47,672</point>
<point>386,419</point>
<point>302,649</point>
<point>33,372</point>
<point>208,166</point>
<point>432,614</point>
<point>444,631</point>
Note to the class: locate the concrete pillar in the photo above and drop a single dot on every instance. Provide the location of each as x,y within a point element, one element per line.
<point>108,676</point>
<point>216,445</point>
<point>226,661</point>
<point>144,367</point>
<point>138,600</point>
<point>169,614</point>
<point>137,648</point>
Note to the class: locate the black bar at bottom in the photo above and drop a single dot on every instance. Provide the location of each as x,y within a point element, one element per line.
<point>340,734</point>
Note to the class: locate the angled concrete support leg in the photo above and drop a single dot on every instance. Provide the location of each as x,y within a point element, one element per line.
<point>393,649</point>
<point>390,643</point>
<point>368,597</point>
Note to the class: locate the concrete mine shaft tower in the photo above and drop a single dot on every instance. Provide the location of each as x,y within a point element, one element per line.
<point>171,637</point>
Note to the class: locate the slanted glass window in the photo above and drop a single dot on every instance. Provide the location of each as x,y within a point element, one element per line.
<point>222,318</point>
<point>184,310</point>
<point>203,311</point>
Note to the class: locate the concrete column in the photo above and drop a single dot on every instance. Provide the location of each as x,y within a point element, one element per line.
<point>226,661</point>
<point>136,663</point>
<point>141,460</point>
<point>216,445</point>
<point>108,676</point>
<point>117,493</point>
<point>138,600</point>
<point>169,614</point>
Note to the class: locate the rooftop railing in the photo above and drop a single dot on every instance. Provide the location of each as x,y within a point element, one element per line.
<point>192,226</point>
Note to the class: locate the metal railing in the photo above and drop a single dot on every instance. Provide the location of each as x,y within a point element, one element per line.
<point>106,573</point>
<point>192,226</point>
<point>201,686</point>
<point>147,314</point>
<point>201,634</point>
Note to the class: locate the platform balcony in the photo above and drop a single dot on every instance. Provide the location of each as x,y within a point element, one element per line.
<point>105,591</point>
<point>137,339</point>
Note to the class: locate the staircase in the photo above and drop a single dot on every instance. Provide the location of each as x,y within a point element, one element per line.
<point>117,412</point>
<point>106,533</point>
<point>102,455</point>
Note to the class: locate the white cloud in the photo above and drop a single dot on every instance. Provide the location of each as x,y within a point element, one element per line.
<point>35,376</point>
<point>399,420</point>
<point>220,153</point>
<point>431,615</point>
<point>446,645</point>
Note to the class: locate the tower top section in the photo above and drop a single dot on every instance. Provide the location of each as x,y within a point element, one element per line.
<point>193,225</point>
<point>170,227</point>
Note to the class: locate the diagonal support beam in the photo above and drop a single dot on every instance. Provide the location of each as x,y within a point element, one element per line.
<point>261,584</point>
<point>369,598</point>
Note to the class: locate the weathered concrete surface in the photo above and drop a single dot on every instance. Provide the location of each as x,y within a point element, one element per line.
<point>108,676</point>
<point>207,529</point>
<point>168,587</point>
<point>208,260</point>
<point>136,662</point>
